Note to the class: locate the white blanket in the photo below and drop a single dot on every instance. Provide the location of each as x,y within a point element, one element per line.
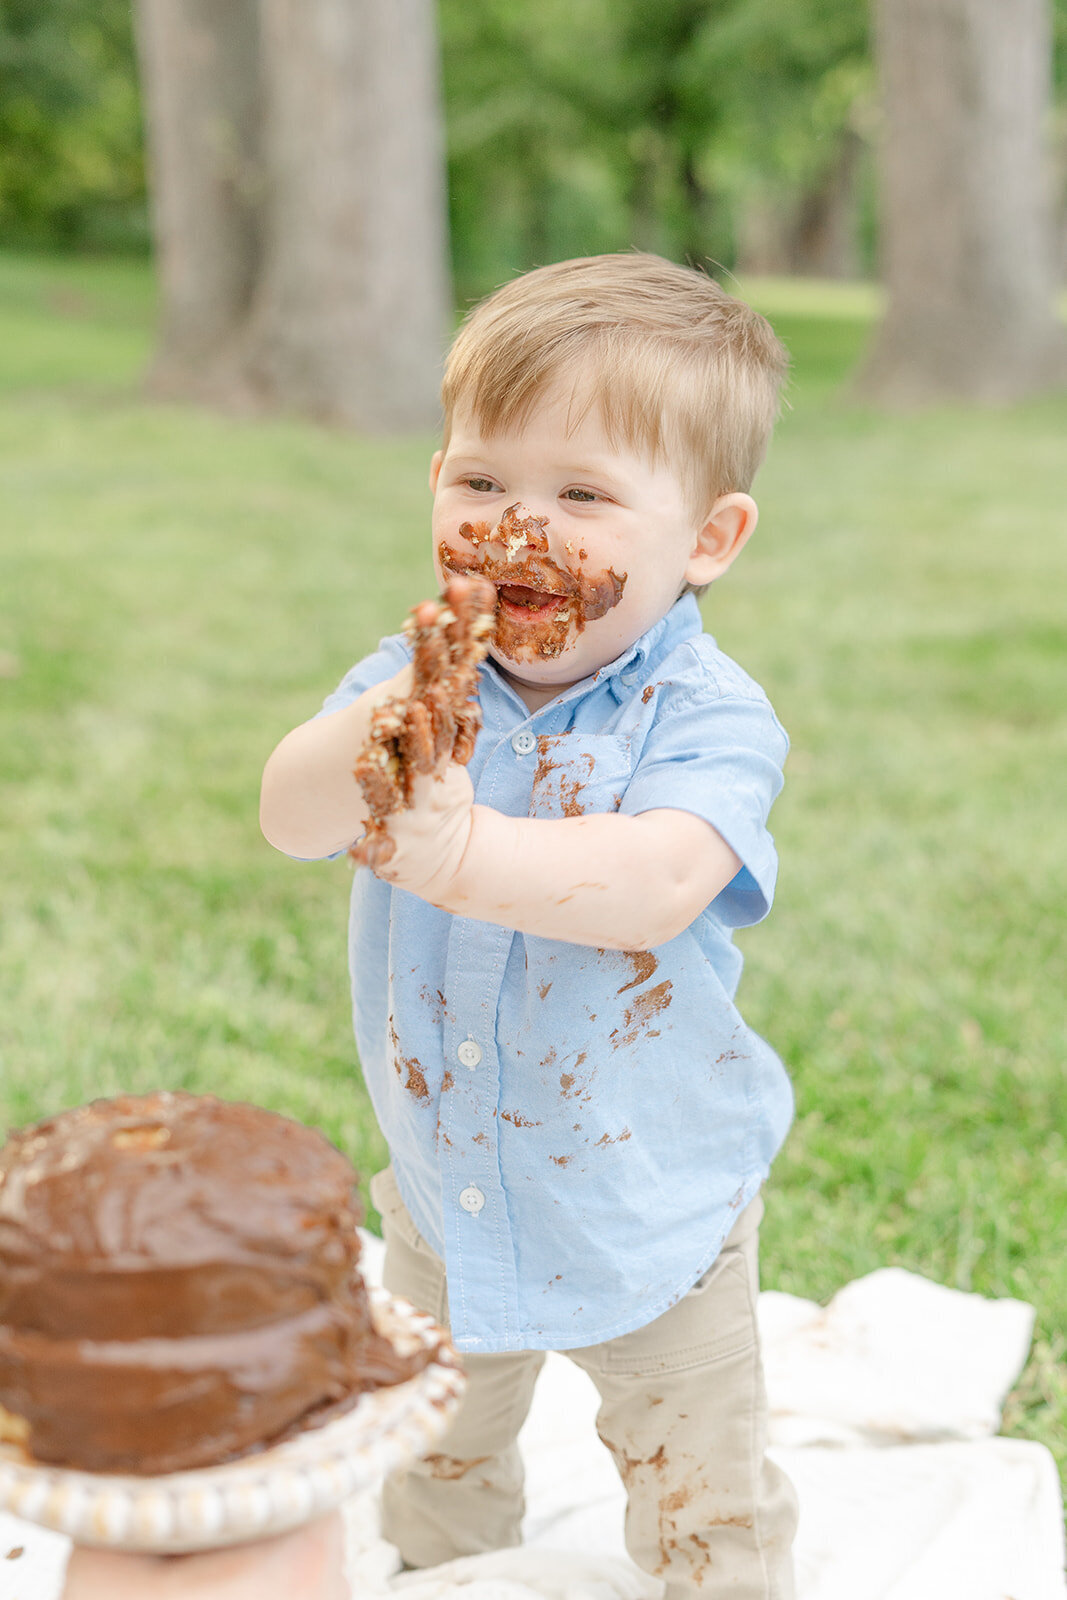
<point>884,1407</point>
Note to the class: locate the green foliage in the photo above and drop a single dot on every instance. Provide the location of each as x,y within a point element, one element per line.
<point>572,127</point>
<point>71,167</point>
<point>698,128</point>
<point>602,124</point>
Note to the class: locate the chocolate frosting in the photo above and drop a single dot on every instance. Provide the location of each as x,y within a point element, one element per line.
<point>527,564</point>
<point>179,1284</point>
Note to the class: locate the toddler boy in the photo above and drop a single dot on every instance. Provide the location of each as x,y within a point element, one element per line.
<point>541,949</point>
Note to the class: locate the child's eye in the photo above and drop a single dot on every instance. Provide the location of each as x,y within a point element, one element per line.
<point>581,495</point>
<point>482,485</point>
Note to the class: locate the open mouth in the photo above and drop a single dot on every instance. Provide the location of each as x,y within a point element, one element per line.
<point>522,601</point>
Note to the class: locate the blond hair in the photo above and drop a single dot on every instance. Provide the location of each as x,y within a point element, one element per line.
<point>677,368</point>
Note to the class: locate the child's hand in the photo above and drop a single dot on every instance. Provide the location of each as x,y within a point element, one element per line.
<point>411,766</point>
<point>425,841</point>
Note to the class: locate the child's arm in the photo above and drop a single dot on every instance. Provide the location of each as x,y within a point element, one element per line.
<point>310,804</point>
<point>619,882</point>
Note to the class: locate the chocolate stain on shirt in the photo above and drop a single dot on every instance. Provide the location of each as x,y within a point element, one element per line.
<point>569,1086</point>
<point>649,1004</point>
<point>644,965</point>
<point>415,1083</point>
<point>645,1007</point>
<point>570,789</point>
<point>437,1003</point>
<point>517,1120</point>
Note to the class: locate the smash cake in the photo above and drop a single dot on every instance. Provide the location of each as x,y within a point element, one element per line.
<point>179,1286</point>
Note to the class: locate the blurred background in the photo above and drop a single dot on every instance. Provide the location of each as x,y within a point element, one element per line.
<point>233,242</point>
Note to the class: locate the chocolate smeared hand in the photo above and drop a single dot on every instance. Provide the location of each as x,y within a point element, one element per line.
<point>540,602</point>
<point>179,1285</point>
<point>440,718</point>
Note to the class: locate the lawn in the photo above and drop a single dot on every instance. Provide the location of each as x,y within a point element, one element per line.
<point>177,589</point>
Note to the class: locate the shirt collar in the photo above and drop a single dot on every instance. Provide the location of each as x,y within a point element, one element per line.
<point>681,622</point>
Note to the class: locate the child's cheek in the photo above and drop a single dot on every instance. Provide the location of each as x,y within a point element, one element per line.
<point>447,545</point>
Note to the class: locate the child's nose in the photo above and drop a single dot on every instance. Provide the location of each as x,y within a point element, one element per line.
<point>522,529</point>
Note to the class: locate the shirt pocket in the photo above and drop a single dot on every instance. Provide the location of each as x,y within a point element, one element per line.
<point>579,774</point>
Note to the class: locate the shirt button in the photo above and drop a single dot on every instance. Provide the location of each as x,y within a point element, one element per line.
<point>472,1199</point>
<point>469,1053</point>
<point>523,742</point>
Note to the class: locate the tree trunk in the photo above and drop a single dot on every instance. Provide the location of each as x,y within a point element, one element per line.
<point>200,72</point>
<point>764,234</point>
<point>825,232</point>
<point>696,211</point>
<point>966,235</point>
<point>349,318</point>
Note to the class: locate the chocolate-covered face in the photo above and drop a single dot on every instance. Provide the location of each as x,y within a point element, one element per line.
<point>587,542</point>
<point>540,605</point>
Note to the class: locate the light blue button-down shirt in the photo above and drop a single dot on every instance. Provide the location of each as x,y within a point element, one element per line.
<point>575,1130</point>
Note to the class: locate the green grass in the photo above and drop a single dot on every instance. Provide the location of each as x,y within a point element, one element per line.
<point>177,589</point>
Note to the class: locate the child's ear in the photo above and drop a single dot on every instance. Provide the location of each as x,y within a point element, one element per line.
<point>729,524</point>
<point>435,469</point>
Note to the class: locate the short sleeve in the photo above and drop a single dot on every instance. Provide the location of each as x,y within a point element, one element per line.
<point>391,654</point>
<point>720,758</point>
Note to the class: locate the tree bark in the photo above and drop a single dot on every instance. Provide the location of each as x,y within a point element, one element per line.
<point>199,65</point>
<point>826,228</point>
<point>298,203</point>
<point>764,227</point>
<point>966,230</point>
<point>350,312</point>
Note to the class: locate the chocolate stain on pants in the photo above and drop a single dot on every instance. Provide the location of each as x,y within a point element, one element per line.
<point>683,1411</point>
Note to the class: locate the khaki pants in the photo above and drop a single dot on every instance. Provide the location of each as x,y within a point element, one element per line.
<point>683,1412</point>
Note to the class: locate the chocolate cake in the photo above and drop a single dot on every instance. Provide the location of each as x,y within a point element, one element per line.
<point>179,1285</point>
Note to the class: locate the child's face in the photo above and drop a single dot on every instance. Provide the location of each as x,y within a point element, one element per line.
<point>616,544</point>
